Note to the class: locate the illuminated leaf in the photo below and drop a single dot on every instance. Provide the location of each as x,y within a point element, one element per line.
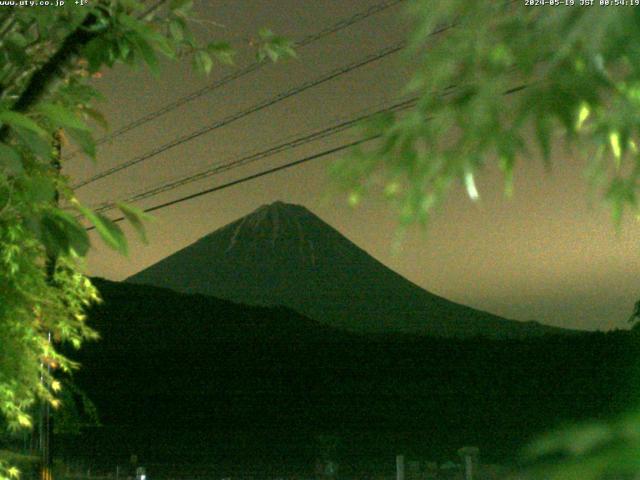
<point>203,61</point>
<point>470,185</point>
<point>614,140</point>
<point>392,189</point>
<point>583,114</point>
<point>24,420</point>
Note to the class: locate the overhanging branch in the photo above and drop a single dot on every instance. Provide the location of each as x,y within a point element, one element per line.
<point>54,69</point>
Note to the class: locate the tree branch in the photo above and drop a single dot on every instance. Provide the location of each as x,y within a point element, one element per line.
<point>54,68</point>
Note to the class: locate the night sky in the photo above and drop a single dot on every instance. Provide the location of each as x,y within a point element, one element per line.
<point>547,254</point>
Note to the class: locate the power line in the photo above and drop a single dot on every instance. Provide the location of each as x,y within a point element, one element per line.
<point>336,27</point>
<point>253,177</point>
<point>247,159</point>
<point>401,105</point>
<point>385,52</point>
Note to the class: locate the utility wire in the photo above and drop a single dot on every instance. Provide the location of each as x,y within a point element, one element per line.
<point>336,27</point>
<point>219,168</point>
<point>385,52</point>
<point>253,177</point>
<point>400,106</point>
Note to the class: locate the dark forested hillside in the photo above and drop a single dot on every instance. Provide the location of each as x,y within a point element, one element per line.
<point>217,379</point>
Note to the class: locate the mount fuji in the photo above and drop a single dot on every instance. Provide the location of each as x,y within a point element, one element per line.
<point>284,255</point>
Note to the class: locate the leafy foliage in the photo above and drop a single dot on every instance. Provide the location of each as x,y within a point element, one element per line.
<point>431,394</point>
<point>490,77</point>
<point>592,450</point>
<point>274,46</point>
<point>47,57</point>
<point>79,411</point>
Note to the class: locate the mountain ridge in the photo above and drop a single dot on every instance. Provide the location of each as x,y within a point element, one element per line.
<point>283,254</point>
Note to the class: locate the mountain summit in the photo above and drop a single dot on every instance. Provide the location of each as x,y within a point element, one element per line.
<point>282,254</point>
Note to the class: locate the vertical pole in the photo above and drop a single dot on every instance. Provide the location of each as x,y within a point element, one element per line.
<point>50,267</point>
<point>469,456</point>
<point>399,467</point>
<point>468,471</point>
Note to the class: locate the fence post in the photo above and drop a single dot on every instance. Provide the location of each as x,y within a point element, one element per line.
<point>399,467</point>
<point>470,457</point>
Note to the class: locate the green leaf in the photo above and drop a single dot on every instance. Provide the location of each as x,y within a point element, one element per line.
<point>621,193</point>
<point>15,48</point>
<point>24,420</point>
<point>76,93</point>
<point>274,46</point>
<point>17,39</point>
<point>176,29</point>
<point>203,61</point>
<point>222,51</point>
<point>543,134</point>
<point>163,45</point>
<point>38,189</point>
<point>146,34</point>
<point>10,160</point>
<point>583,114</point>
<point>266,33</point>
<point>84,140</point>
<point>97,117</point>
<point>62,233</point>
<point>506,166</point>
<point>53,236</point>
<point>15,119</point>
<point>62,116</point>
<point>147,53</point>
<point>136,217</point>
<point>109,231</point>
<point>272,53</point>
<point>38,145</point>
<point>97,53</point>
<point>124,50</point>
<point>392,189</point>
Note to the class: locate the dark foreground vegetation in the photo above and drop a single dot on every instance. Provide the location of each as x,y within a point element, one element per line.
<point>182,379</point>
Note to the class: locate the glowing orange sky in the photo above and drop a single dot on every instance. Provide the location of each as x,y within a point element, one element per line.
<point>545,254</point>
